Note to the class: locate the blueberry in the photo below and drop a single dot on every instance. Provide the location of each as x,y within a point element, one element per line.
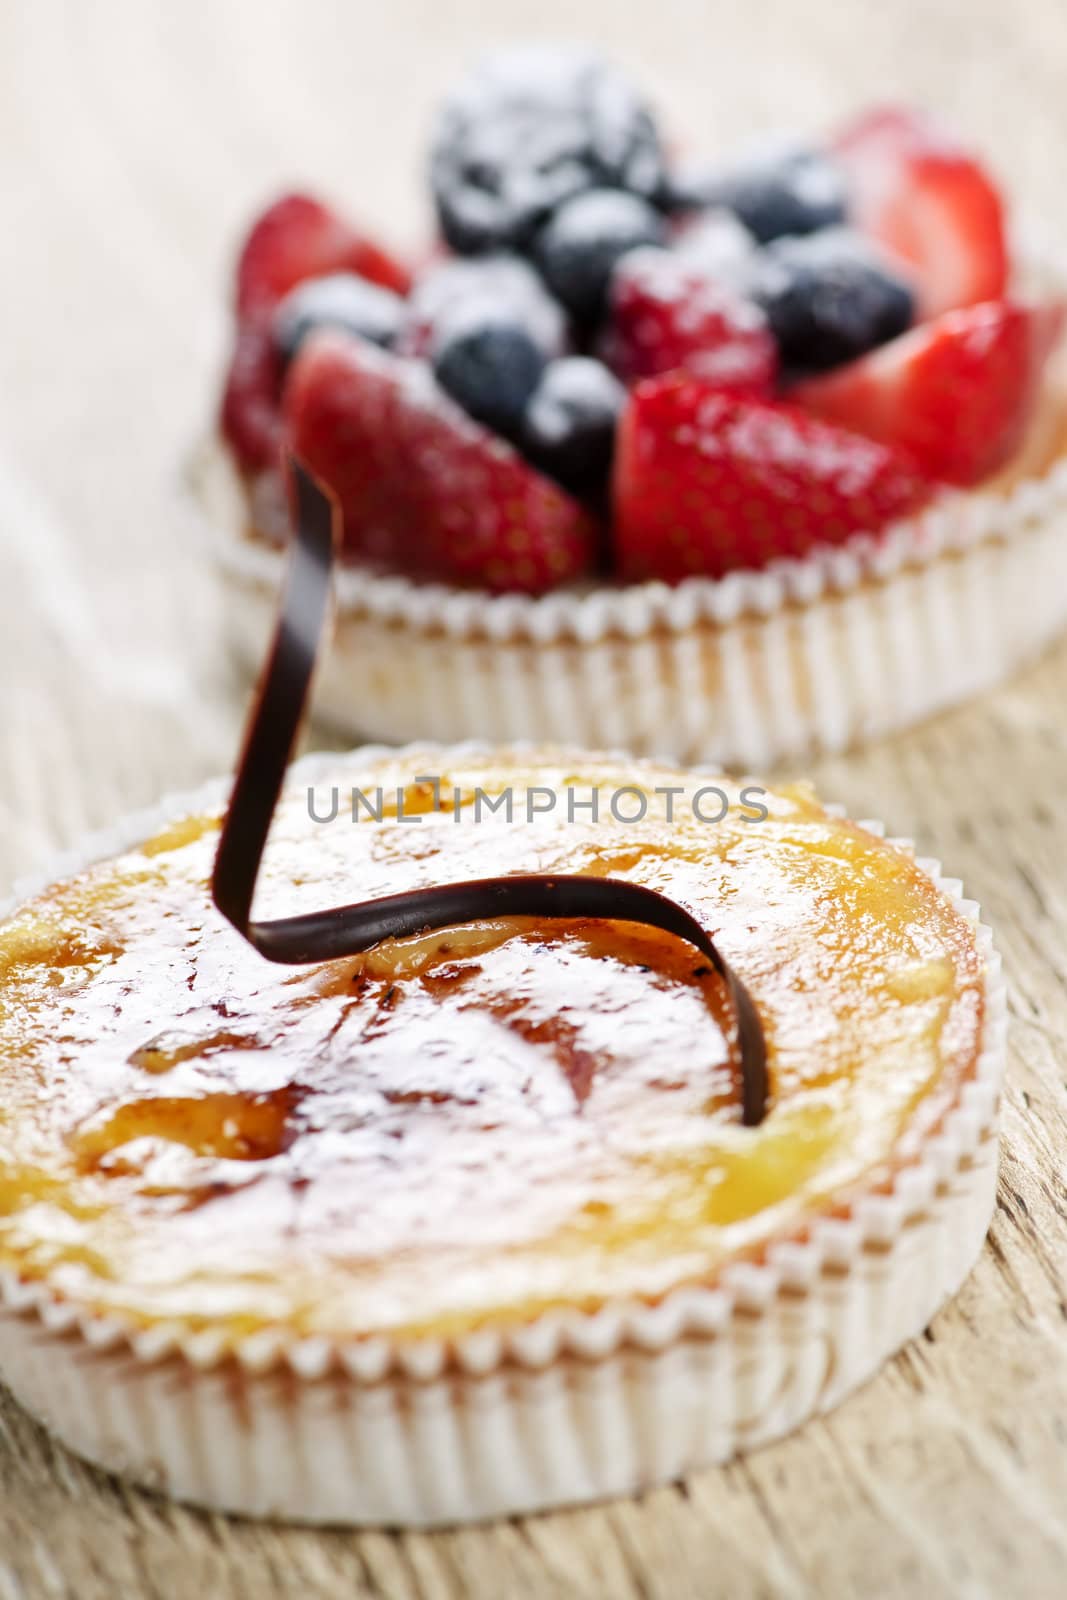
<point>718,243</point>
<point>829,298</point>
<point>341,300</point>
<point>578,247</point>
<point>569,428</point>
<point>529,128</point>
<point>501,283</point>
<point>490,364</point>
<point>776,190</point>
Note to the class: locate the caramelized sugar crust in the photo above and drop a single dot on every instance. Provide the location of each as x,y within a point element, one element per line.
<point>478,1124</point>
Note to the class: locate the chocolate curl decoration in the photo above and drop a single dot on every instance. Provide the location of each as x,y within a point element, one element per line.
<point>349,930</point>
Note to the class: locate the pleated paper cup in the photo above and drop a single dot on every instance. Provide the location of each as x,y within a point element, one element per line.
<point>568,1407</point>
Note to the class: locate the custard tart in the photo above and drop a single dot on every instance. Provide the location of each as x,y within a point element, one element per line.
<point>470,1223</point>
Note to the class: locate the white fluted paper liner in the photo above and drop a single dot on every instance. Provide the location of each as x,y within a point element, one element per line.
<point>750,670</point>
<point>569,1407</point>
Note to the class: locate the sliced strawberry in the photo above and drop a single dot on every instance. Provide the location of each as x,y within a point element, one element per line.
<point>957,394</point>
<point>667,314</point>
<point>425,489</point>
<point>925,198</point>
<point>250,417</point>
<point>298,238</point>
<point>707,482</point>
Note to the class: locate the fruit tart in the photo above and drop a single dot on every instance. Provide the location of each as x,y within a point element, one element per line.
<point>741,460</point>
<point>614,1118</point>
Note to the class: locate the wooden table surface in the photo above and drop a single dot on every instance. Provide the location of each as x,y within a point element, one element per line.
<point>134,138</point>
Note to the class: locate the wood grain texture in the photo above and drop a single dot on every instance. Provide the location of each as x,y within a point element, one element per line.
<point>134,138</point>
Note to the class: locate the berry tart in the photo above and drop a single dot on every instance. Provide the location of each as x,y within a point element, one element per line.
<point>490,1193</point>
<point>743,460</point>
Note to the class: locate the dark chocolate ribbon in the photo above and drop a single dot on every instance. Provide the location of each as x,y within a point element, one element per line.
<point>348,930</point>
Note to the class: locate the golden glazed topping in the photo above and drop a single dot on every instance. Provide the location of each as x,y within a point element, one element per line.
<point>477,1124</point>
